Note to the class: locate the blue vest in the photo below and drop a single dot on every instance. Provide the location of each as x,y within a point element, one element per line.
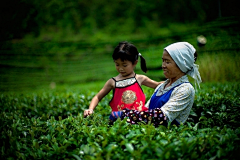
<point>159,101</point>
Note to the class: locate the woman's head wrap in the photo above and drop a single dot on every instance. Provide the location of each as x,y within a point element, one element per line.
<point>183,55</point>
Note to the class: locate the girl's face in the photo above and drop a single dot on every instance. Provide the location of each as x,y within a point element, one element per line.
<point>170,68</point>
<point>125,68</point>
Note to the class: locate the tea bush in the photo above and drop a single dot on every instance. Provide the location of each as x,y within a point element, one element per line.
<point>217,105</point>
<point>50,125</point>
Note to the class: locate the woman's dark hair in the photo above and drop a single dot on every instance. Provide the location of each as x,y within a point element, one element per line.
<point>127,51</point>
<point>195,56</point>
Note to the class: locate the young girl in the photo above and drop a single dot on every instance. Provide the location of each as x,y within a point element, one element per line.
<point>126,86</point>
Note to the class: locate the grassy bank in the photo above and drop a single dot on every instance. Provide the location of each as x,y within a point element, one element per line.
<point>220,66</point>
<point>35,63</point>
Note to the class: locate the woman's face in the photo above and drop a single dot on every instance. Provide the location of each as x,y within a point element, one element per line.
<point>170,68</point>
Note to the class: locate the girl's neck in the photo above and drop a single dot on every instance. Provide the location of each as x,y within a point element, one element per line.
<point>120,77</point>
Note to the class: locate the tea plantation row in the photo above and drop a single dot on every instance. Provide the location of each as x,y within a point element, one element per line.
<point>50,125</point>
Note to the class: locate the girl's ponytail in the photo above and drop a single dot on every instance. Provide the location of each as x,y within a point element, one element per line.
<point>143,63</point>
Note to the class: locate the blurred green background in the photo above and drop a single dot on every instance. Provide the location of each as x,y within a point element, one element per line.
<point>49,44</point>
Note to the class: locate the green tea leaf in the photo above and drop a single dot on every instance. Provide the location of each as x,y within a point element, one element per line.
<point>129,147</point>
<point>76,156</point>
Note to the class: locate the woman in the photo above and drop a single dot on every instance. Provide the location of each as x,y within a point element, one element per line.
<point>173,99</point>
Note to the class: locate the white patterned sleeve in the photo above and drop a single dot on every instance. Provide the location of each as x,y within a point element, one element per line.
<point>180,103</point>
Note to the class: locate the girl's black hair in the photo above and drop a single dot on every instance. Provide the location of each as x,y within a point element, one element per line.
<point>127,51</point>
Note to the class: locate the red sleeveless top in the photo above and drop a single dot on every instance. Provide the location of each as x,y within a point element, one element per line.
<point>128,94</point>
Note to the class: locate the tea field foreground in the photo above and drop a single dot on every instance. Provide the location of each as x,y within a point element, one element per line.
<point>50,125</point>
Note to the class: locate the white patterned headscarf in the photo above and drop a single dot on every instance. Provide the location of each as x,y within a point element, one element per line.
<point>183,55</point>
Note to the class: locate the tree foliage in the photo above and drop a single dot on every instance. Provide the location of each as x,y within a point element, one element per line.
<point>110,16</point>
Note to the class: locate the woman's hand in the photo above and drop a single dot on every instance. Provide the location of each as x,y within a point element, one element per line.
<point>88,112</point>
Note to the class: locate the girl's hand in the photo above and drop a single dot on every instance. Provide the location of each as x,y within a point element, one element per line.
<point>88,112</point>
<point>161,82</point>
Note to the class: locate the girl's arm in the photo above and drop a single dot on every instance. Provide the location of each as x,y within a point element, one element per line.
<point>109,85</point>
<point>144,80</point>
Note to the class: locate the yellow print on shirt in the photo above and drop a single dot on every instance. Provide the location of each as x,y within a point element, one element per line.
<point>128,97</point>
<point>120,107</point>
<point>139,108</point>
